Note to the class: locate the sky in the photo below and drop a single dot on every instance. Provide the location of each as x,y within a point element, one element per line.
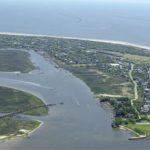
<point>118,1</point>
<point>35,1</point>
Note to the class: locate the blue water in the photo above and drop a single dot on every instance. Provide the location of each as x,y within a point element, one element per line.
<point>101,20</point>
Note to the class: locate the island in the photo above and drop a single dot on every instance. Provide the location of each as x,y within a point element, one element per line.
<point>14,102</point>
<point>117,73</point>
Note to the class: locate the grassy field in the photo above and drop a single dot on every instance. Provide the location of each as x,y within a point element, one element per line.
<point>12,100</point>
<point>13,60</point>
<point>102,83</point>
<point>140,128</point>
<point>10,127</point>
<point>137,59</point>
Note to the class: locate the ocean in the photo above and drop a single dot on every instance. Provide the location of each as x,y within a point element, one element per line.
<point>128,22</point>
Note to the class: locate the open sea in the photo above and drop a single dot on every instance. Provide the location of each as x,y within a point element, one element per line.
<point>121,21</point>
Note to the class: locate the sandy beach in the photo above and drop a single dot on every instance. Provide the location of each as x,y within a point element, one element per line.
<point>76,38</point>
<point>32,131</point>
<point>26,133</point>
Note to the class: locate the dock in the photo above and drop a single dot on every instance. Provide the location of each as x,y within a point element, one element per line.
<point>138,137</point>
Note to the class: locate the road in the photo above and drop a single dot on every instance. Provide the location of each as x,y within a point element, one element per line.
<point>134,83</point>
<point>135,90</point>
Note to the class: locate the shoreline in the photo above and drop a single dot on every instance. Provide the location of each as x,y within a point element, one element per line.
<point>5,138</point>
<point>26,91</point>
<point>77,38</point>
<point>27,133</point>
<point>40,125</point>
<point>121,127</point>
<point>137,135</point>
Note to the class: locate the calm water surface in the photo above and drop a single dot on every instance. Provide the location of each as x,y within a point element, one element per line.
<point>111,21</point>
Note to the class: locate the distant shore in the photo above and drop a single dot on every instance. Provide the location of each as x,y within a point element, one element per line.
<point>76,38</point>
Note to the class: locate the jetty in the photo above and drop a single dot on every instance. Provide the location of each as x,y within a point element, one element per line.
<point>28,109</point>
<point>138,137</point>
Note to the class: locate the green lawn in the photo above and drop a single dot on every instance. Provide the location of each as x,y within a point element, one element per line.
<point>140,128</point>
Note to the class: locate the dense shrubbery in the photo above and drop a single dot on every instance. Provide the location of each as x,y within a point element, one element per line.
<point>121,121</point>
<point>122,107</point>
<point>124,112</point>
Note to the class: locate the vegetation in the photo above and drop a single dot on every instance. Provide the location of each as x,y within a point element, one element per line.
<point>13,60</point>
<point>123,108</point>
<point>121,121</point>
<point>120,72</point>
<point>11,127</point>
<point>140,128</point>
<point>100,82</point>
<point>12,100</point>
<point>137,59</point>
<point>58,44</point>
